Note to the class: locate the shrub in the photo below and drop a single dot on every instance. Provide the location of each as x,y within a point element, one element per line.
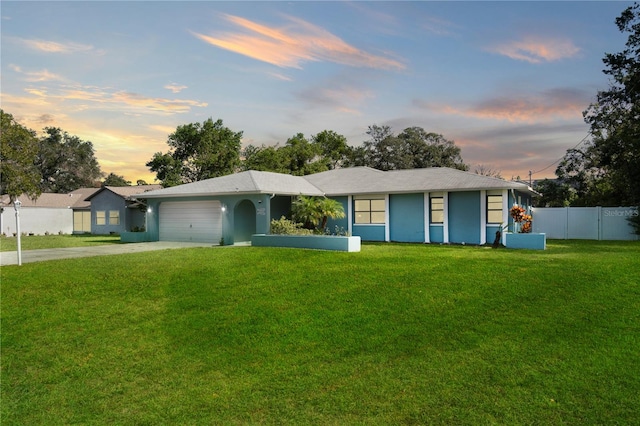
<point>284,226</point>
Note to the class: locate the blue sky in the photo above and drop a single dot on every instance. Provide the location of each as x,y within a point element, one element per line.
<point>506,81</point>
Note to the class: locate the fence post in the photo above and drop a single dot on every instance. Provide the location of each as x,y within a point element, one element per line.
<point>599,210</point>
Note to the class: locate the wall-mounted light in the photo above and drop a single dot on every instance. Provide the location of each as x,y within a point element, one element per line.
<point>224,208</point>
<point>149,210</point>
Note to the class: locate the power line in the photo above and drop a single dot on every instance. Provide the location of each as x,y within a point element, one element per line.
<point>555,162</point>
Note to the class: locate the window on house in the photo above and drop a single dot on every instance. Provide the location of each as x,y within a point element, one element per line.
<point>494,208</point>
<point>114,217</point>
<point>437,209</point>
<point>369,209</point>
<point>101,217</point>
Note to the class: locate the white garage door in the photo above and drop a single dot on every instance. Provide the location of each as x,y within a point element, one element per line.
<point>197,221</point>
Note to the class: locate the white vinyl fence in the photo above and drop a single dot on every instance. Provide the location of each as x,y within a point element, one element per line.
<point>585,223</point>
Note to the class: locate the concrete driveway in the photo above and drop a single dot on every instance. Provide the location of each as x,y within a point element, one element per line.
<point>30,256</point>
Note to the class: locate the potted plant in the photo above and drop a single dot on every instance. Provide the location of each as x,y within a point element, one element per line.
<point>523,237</point>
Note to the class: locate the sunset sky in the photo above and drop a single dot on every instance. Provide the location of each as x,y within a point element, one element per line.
<point>506,81</point>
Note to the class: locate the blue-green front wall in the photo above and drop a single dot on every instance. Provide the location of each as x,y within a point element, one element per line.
<point>464,217</point>
<point>406,213</point>
<point>406,218</point>
<point>245,214</point>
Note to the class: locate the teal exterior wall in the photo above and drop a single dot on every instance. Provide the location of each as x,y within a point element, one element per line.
<point>342,224</point>
<point>369,232</point>
<point>491,232</point>
<point>261,225</point>
<point>464,217</point>
<point>436,234</point>
<point>244,221</point>
<point>280,205</point>
<point>406,217</point>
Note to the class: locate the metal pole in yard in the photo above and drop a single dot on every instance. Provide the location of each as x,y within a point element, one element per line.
<point>16,205</point>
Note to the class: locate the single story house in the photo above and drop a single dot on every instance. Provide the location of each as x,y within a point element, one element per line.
<point>49,213</point>
<point>432,205</point>
<point>82,210</point>
<point>115,210</point>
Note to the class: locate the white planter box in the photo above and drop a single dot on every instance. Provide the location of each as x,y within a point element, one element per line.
<point>316,242</point>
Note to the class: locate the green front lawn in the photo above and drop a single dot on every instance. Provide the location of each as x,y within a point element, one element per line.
<point>396,334</point>
<point>34,242</point>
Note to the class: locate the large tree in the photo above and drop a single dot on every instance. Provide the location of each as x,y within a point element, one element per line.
<point>333,148</point>
<point>610,163</point>
<point>65,162</point>
<point>412,148</point>
<point>197,151</point>
<point>18,150</point>
<point>115,180</point>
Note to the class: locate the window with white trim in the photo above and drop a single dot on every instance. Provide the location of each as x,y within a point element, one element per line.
<point>114,217</point>
<point>436,209</point>
<point>494,208</point>
<point>101,217</point>
<point>369,209</point>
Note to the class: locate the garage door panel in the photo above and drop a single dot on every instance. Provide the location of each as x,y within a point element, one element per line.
<point>197,221</point>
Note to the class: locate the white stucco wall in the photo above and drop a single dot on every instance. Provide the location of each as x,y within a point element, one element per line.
<point>38,220</point>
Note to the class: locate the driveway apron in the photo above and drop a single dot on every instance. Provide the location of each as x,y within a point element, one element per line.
<point>30,256</point>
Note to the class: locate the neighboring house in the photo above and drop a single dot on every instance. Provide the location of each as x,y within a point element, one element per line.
<point>82,211</point>
<point>434,205</point>
<point>114,210</point>
<point>48,214</point>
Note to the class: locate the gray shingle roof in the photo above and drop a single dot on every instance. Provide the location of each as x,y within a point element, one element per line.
<point>51,200</point>
<point>348,181</point>
<point>250,182</point>
<point>364,180</point>
<point>126,191</point>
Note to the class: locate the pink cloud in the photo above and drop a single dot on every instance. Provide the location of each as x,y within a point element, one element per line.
<point>537,49</point>
<point>49,46</point>
<point>299,42</point>
<point>549,105</point>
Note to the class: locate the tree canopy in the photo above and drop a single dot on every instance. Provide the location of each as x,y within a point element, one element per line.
<point>18,151</point>
<point>411,149</point>
<point>115,180</point>
<point>65,162</point>
<point>606,169</point>
<point>196,152</point>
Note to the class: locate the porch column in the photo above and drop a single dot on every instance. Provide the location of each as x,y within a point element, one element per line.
<point>386,218</point>
<point>483,217</point>
<point>505,214</point>
<point>445,219</point>
<point>427,238</point>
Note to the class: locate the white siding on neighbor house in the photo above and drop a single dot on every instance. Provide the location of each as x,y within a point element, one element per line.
<point>38,220</point>
<point>197,221</point>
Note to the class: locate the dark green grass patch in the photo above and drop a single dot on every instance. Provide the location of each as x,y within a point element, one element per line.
<point>396,334</point>
<point>34,242</point>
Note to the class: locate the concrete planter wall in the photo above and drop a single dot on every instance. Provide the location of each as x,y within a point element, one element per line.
<point>135,237</point>
<point>526,241</point>
<point>317,242</point>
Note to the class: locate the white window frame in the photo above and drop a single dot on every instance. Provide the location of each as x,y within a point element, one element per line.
<point>101,217</point>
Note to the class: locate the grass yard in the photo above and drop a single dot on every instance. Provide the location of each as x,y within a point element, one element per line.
<point>396,334</point>
<point>34,242</point>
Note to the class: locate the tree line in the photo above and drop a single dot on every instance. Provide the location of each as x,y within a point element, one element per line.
<point>605,170</point>
<point>205,150</point>
<point>59,162</point>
